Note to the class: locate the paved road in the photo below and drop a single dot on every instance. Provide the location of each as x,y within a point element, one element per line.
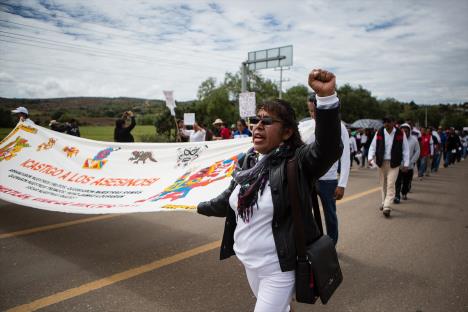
<point>415,261</point>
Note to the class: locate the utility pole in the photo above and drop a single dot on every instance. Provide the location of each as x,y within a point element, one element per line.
<point>244,77</point>
<point>425,121</point>
<point>282,80</point>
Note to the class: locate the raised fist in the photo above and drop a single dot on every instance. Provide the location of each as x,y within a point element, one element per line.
<point>322,82</point>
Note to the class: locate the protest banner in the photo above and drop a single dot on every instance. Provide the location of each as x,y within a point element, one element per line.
<point>49,170</point>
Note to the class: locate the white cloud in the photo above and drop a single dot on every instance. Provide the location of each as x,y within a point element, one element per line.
<point>409,50</point>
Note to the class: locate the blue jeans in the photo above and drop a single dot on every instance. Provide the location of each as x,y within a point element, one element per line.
<point>436,161</point>
<point>422,166</point>
<point>326,191</point>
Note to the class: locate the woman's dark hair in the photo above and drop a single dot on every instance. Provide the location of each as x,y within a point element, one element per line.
<point>119,123</point>
<point>283,110</point>
<point>243,123</point>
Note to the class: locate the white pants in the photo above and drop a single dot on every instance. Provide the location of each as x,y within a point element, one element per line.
<point>272,288</point>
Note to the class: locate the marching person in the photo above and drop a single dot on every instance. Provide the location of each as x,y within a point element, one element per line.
<point>122,132</point>
<point>183,134</point>
<point>329,188</point>
<point>198,134</point>
<point>73,128</point>
<point>257,204</point>
<point>427,150</point>
<point>403,182</point>
<point>23,115</point>
<point>220,131</point>
<point>388,149</point>
<point>242,131</point>
<point>353,146</point>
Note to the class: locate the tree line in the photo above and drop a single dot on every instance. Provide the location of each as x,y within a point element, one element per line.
<point>220,99</point>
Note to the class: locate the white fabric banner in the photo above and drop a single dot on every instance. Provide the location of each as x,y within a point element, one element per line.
<point>49,170</point>
<point>170,103</point>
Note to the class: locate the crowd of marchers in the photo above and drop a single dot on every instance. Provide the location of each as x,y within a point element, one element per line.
<point>256,205</point>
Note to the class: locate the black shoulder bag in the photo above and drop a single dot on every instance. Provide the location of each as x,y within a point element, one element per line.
<point>318,272</point>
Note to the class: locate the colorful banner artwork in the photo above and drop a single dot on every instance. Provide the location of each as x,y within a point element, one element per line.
<point>44,169</point>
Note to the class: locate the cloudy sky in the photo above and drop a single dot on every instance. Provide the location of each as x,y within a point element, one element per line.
<point>408,50</point>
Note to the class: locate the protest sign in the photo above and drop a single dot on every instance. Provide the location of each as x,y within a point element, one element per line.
<point>247,104</point>
<point>170,103</point>
<point>189,119</point>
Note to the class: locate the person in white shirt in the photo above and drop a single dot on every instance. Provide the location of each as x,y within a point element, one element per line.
<point>328,187</point>
<point>198,134</point>
<point>388,149</point>
<point>403,182</point>
<point>363,147</point>
<point>353,148</point>
<point>23,115</point>
<point>183,134</point>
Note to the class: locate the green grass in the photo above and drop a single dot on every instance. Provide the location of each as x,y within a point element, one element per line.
<point>4,132</point>
<point>106,133</point>
<point>100,133</point>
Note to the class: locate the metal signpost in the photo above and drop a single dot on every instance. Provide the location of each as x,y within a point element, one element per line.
<point>280,57</point>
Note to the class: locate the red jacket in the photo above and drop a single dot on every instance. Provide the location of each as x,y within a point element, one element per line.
<point>425,145</point>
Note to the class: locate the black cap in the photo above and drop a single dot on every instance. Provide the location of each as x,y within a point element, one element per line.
<point>388,118</point>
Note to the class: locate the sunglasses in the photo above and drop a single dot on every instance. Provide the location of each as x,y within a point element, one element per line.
<point>266,120</point>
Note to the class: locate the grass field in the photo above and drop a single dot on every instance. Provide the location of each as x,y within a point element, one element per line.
<point>101,133</point>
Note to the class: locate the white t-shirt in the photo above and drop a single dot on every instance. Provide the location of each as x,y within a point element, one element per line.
<point>254,244</point>
<point>198,136</point>
<point>307,131</point>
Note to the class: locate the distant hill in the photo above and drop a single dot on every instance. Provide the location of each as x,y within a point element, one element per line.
<point>88,110</point>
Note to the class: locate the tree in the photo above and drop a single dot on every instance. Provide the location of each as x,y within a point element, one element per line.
<point>297,96</point>
<point>358,103</point>
<point>216,105</point>
<point>6,119</point>
<point>455,120</point>
<point>264,89</point>
<point>206,87</point>
<point>164,123</point>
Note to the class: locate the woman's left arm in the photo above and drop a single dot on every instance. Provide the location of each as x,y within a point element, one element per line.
<point>218,206</point>
<point>318,157</point>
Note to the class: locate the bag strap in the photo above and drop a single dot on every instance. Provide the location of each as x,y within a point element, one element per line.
<point>296,213</point>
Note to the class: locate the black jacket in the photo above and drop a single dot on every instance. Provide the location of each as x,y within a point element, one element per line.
<point>313,160</point>
<point>123,134</point>
<point>396,151</point>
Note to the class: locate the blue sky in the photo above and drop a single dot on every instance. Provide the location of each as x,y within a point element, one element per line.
<point>408,50</point>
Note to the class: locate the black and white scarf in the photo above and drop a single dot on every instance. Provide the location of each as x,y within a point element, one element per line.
<point>252,181</point>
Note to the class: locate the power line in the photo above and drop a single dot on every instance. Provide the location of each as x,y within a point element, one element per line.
<point>62,48</point>
<point>62,67</point>
<point>178,50</point>
<point>69,45</point>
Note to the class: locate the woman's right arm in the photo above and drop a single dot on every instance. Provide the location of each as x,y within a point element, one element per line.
<point>218,206</point>
<point>132,123</point>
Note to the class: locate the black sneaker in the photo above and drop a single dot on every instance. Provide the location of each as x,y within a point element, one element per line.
<point>396,200</point>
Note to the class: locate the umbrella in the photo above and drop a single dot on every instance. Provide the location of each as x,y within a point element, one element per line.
<point>367,123</point>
